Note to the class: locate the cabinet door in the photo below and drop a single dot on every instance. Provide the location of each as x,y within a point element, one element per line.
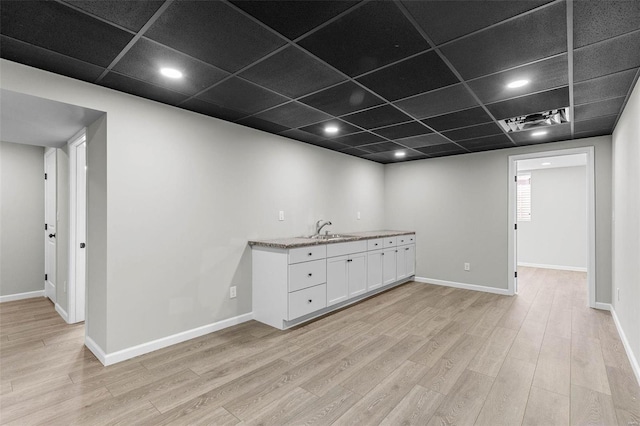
<point>337,276</point>
<point>401,256</point>
<point>357,267</point>
<point>410,253</point>
<point>389,266</point>
<point>374,269</point>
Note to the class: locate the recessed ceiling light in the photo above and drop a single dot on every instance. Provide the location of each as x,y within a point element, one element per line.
<point>517,83</point>
<point>331,130</point>
<point>546,164</point>
<point>539,133</point>
<point>170,72</point>
<point>400,154</point>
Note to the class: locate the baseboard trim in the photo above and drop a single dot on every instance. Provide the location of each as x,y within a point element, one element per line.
<point>63,313</point>
<point>154,345</point>
<point>627,347</point>
<point>556,267</point>
<point>95,349</point>
<point>20,296</point>
<point>604,306</point>
<point>464,286</point>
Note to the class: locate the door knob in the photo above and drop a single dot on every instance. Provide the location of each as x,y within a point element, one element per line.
<point>82,245</point>
<point>52,235</point>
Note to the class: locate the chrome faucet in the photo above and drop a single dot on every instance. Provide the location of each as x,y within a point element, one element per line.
<point>319,226</point>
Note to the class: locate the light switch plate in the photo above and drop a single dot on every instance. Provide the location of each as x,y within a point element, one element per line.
<point>281,215</point>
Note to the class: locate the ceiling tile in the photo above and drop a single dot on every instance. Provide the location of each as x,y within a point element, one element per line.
<point>128,14</point>
<point>481,130</point>
<point>543,75</point>
<point>213,32</point>
<point>327,144</point>
<point>390,156</point>
<point>511,44</point>
<point>140,88</point>
<point>598,20</point>
<point>607,57</point>
<point>264,125</point>
<point>302,136</point>
<point>344,128</point>
<point>600,124</point>
<point>446,20</point>
<point>355,151</point>
<point>357,139</point>
<point>464,118</point>
<point>293,114</point>
<point>452,98</point>
<point>292,73</point>
<point>403,130</point>
<point>444,148</point>
<point>612,85</point>
<point>342,99</point>
<point>382,147</point>
<point>378,34</point>
<point>591,134</point>
<point>488,142</point>
<point>419,74</point>
<point>423,140</point>
<point>293,18</point>
<point>377,117</point>
<point>62,29</point>
<point>47,60</point>
<point>144,60</point>
<point>530,104</point>
<point>598,109</point>
<point>242,95</point>
<point>212,110</point>
<point>554,133</point>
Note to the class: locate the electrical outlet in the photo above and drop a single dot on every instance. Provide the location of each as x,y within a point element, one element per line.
<point>281,215</point>
<point>358,216</point>
<point>232,292</point>
<point>467,266</point>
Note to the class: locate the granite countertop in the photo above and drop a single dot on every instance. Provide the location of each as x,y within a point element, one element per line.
<point>287,243</point>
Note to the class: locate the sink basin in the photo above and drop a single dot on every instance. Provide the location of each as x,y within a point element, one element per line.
<point>328,237</point>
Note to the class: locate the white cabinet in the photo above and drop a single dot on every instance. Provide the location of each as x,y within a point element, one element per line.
<point>401,263</point>
<point>374,269</point>
<point>346,277</point>
<point>411,259</point>
<point>389,266</point>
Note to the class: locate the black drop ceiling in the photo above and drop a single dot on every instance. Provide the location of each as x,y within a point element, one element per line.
<point>424,77</point>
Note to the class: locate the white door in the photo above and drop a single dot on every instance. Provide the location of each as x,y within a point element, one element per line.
<point>401,259</point>
<point>357,274</point>
<point>337,276</point>
<point>374,269</point>
<point>389,266</point>
<point>51,224</point>
<point>81,229</point>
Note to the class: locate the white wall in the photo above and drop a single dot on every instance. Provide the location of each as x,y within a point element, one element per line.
<point>21,218</point>
<point>626,227</point>
<point>458,206</point>
<point>183,193</point>
<point>556,236</point>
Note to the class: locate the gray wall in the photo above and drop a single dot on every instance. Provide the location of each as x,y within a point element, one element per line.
<point>21,218</point>
<point>626,247</point>
<point>556,236</point>
<point>174,196</point>
<point>458,206</point>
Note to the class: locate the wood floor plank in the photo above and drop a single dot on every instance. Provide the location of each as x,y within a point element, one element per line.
<point>326,409</point>
<point>507,400</point>
<point>546,408</point>
<point>553,371</point>
<point>587,365</point>
<point>589,407</point>
<point>281,410</point>
<point>492,353</point>
<point>559,323</point>
<point>625,391</point>
<point>383,398</point>
<point>429,353</point>
<point>465,400</point>
<point>527,343</point>
<point>416,408</point>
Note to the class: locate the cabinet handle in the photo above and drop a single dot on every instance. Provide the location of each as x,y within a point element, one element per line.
<point>310,254</point>
<point>349,260</point>
<point>309,274</point>
<point>382,254</point>
<point>396,251</point>
<point>407,248</point>
<point>310,300</point>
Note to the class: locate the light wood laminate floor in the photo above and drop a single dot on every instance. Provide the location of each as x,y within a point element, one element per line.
<point>418,354</point>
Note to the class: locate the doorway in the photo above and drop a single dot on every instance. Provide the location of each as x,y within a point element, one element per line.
<point>77,226</point>
<point>545,226</point>
<point>50,223</point>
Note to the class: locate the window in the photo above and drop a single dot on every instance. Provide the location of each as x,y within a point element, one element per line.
<point>524,198</point>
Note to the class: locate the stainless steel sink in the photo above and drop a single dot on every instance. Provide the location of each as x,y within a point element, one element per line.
<point>329,237</point>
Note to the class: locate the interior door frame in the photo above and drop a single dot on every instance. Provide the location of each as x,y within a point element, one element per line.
<point>73,144</point>
<point>591,216</point>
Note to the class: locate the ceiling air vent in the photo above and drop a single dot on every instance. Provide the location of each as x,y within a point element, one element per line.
<point>533,121</point>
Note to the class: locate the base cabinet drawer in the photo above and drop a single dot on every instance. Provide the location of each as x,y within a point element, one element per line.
<point>307,274</point>
<point>305,301</point>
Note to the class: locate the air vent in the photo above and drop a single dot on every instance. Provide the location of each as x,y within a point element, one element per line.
<point>533,121</point>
